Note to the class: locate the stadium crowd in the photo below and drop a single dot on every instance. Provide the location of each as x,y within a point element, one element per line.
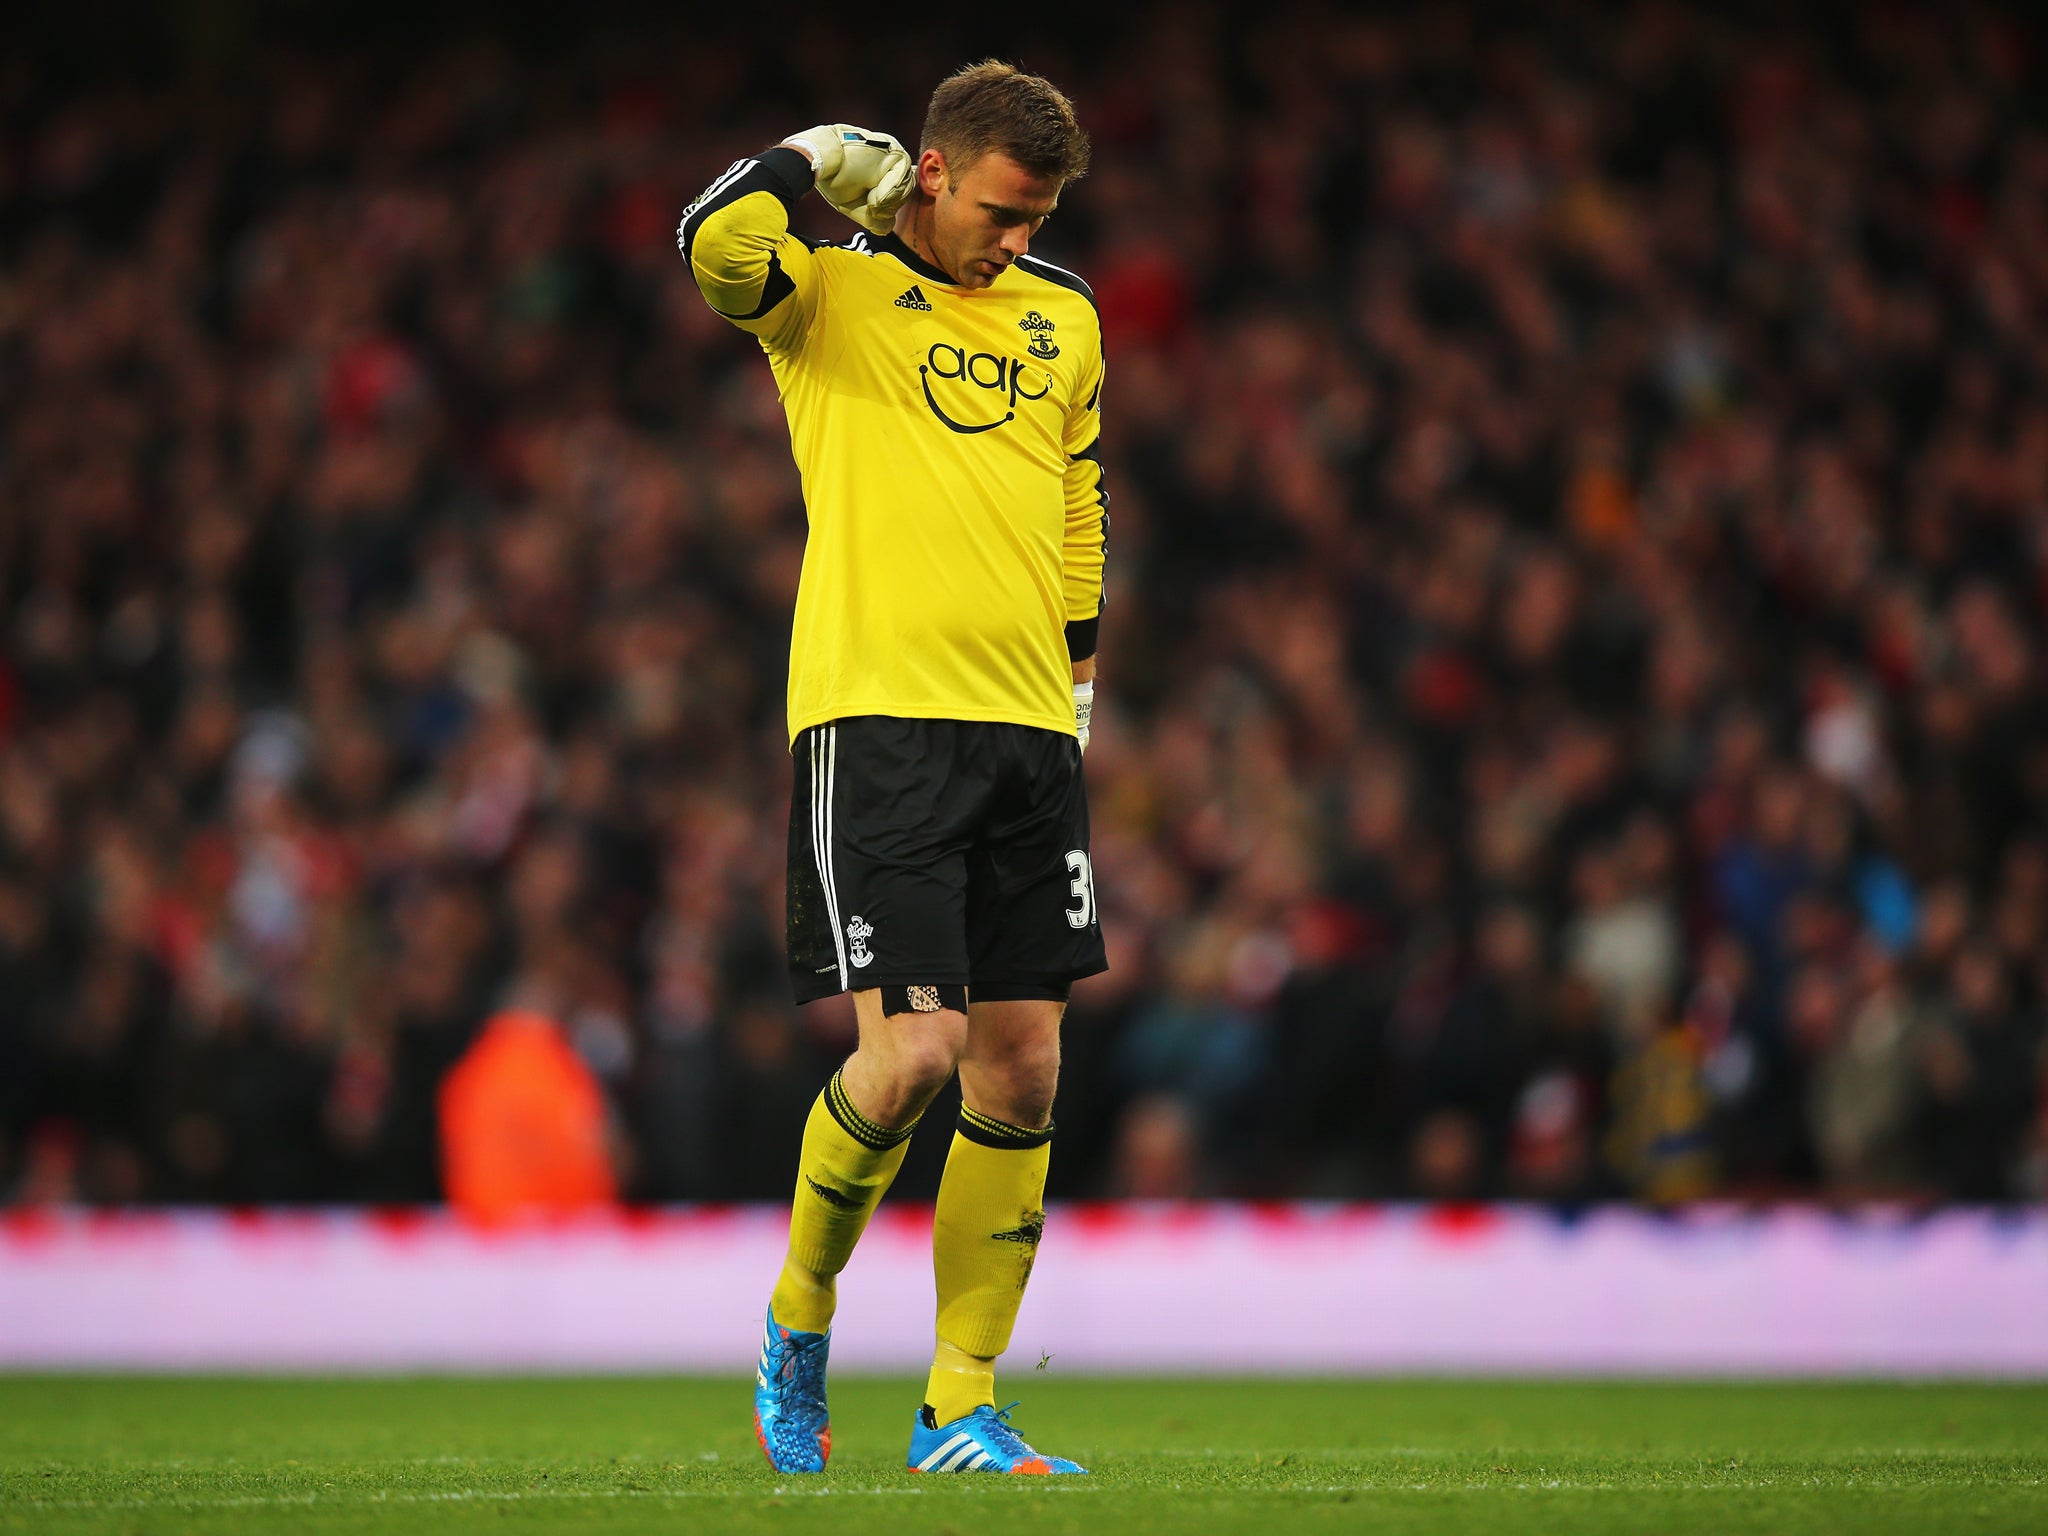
<point>1573,718</point>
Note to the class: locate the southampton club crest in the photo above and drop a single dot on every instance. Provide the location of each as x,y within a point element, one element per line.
<point>1040,330</point>
<point>858,932</point>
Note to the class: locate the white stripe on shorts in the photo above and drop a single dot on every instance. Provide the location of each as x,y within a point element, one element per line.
<point>824,765</point>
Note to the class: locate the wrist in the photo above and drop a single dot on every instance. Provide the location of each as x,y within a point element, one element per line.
<point>822,146</point>
<point>790,171</point>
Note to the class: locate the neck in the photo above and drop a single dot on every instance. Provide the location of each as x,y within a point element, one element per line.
<point>914,221</point>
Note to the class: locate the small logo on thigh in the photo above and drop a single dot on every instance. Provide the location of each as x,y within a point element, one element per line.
<point>924,999</point>
<point>858,932</point>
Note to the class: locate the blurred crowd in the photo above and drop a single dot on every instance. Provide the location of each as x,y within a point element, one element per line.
<point>1573,719</point>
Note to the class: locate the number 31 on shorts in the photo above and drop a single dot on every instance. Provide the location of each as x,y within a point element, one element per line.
<point>1083,887</point>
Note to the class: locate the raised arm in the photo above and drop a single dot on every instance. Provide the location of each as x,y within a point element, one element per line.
<point>736,237</point>
<point>749,267</point>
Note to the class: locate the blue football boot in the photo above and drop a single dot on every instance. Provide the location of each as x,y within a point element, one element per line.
<point>789,1399</point>
<point>981,1441</point>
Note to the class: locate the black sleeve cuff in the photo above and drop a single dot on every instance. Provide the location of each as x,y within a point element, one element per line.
<point>1081,635</point>
<point>790,170</point>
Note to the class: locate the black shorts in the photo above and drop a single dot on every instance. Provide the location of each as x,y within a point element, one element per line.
<point>939,853</point>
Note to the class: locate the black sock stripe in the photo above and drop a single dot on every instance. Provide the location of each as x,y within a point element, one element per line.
<point>857,1125</point>
<point>991,1132</point>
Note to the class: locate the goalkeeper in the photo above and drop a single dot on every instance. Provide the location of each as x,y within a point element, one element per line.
<point>942,388</point>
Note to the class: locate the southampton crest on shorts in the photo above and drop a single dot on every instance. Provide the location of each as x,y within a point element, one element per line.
<point>1041,330</point>
<point>858,932</point>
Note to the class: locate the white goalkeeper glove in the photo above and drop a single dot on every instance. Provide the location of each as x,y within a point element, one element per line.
<point>1084,706</point>
<point>866,176</point>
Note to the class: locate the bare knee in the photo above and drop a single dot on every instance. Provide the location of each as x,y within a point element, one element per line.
<point>1019,1089</point>
<point>1011,1067</point>
<point>902,1061</point>
<point>906,1078</point>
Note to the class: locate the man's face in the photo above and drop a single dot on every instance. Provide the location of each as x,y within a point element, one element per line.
<point>982,218</point>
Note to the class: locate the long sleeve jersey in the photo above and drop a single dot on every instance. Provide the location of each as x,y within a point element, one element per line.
<point>947,442</point>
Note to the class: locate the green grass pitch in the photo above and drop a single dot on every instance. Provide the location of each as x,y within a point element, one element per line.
<point>142,1456</point>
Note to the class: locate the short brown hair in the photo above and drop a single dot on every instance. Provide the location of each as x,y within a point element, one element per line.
<point>996,106</point>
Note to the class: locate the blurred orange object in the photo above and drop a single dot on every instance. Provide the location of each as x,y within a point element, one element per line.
<point>1603,510</point>
<point>523,1126</point>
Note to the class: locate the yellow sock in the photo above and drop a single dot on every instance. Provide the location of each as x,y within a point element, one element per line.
<point>847,1164</point>
<point>985,1233</point>
<point>959,1383</point>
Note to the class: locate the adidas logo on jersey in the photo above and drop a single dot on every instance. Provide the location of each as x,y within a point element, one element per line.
<point>913,298</point>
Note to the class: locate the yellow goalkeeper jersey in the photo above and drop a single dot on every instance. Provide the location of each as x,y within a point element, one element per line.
<point>947,442</point>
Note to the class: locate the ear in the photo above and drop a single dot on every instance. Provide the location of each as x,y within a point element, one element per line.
<point>932,176</point>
